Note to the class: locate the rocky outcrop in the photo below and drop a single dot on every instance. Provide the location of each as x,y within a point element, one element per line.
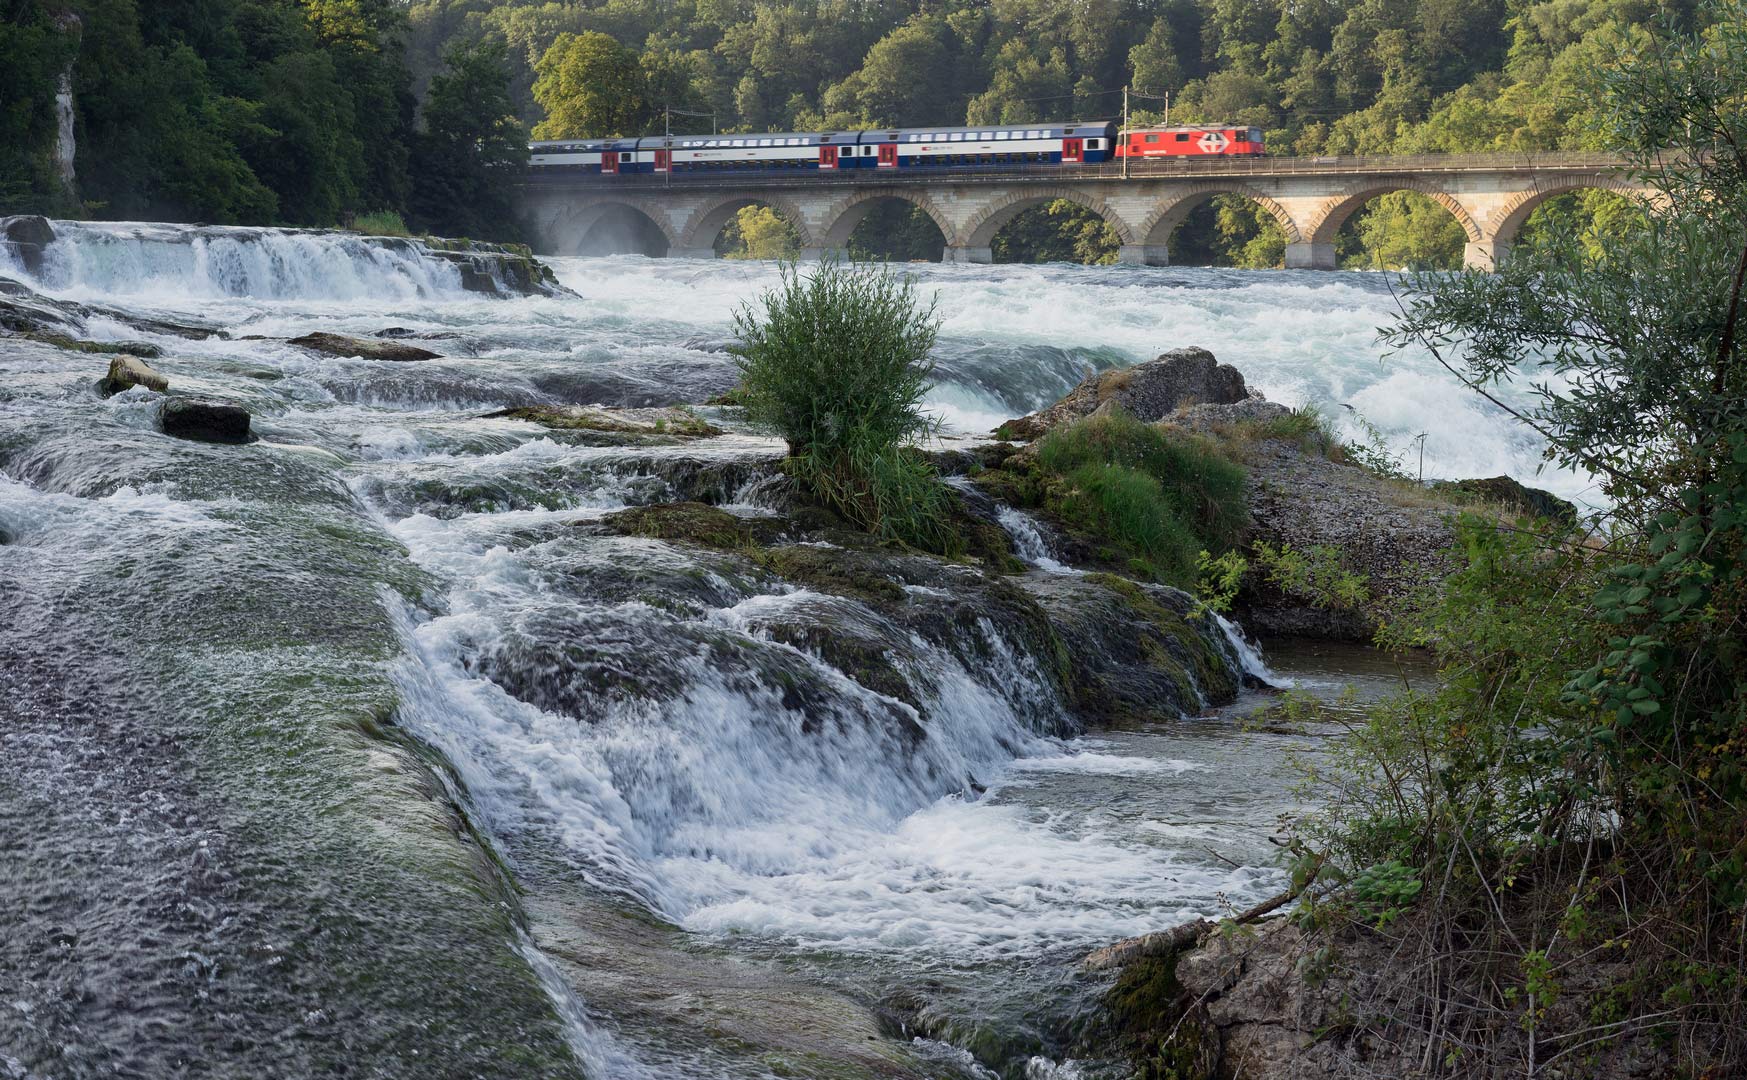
<point>496,269</point>
<point>1395,537</point>
<point>126,372</point>
<point>363,348</point>
<point>1148,391</point>
<point>205,421</point>
<point>1139,652</point>
<point>1116,651</point>
<point>1511,496</point>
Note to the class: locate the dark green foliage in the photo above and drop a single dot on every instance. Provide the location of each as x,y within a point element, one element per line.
<point>1575,783</point>
<point>897,231</point>
<point>837,363</point>
<point>1058,231</point>
<point>472,150</point>
<point>241,111</point>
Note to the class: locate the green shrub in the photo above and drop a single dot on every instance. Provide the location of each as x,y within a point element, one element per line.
<point>1160,497</point>
<point>837,363</point>
<point>380,223</point>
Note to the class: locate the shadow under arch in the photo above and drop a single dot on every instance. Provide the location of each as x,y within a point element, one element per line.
<point>611,227</point>
<point>840,221</point>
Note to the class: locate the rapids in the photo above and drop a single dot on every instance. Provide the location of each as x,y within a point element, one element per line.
<point>358,744</point>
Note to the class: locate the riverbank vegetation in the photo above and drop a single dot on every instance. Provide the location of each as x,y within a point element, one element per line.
<point>307,113</point>
<point>1551,842</point>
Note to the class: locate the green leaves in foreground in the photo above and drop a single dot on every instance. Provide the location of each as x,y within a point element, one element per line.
<point>837,363</point>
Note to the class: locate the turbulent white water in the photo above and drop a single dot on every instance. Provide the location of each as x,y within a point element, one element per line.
<point>628,714</point>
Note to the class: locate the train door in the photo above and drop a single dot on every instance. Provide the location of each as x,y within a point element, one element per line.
<point>827,157</point>
<point>609,161</point>
<point>663,158</point>
<point>1072,153</point>
<point>888,155</point>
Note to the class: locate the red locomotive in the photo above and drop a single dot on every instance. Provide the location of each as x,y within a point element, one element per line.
<point>1197,141</point>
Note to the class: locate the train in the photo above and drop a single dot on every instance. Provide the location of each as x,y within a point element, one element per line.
<point>992,146</point>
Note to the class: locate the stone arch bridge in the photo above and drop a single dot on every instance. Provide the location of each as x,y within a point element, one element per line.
<point>1490,195</point>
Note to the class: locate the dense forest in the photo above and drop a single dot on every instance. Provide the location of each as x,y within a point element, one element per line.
<point>311,112</point>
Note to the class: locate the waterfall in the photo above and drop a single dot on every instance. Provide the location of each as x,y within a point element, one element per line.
<point>179,262</point>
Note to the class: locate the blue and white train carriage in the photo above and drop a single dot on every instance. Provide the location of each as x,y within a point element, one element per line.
<point>994,146</point>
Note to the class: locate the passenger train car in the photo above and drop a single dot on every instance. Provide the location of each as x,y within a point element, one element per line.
<point>995,146</point>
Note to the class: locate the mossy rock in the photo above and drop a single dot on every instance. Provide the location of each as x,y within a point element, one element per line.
<point>653,424</point>
<point>685,523</point>
<point>832,570</point>
<point>1164,1034</point>
<point>142,349</point>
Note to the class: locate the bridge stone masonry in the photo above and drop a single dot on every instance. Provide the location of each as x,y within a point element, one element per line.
<point>1490,195</point>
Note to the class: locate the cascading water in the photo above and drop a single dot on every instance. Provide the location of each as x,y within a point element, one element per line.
<point>173,263</point>
<point>704,815</point>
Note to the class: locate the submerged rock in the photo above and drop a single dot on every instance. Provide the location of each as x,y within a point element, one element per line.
<point>369,349</point>
<point>1149,391</point>
<point>130,371</point>
<point>205,421</point>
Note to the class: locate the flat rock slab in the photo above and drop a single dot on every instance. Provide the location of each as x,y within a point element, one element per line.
<point>365,348</point>
<point>205,421</point>
<point>668,422</point>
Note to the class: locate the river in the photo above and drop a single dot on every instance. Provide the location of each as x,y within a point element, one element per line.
<point>356,748</point>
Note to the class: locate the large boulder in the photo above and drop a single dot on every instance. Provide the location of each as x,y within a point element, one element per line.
<point>205,421</point>
<point>1148,391</point>
<point>366,348</point>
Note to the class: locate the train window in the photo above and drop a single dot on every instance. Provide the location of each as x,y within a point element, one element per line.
<point>987,136</point>
<point>1152,138</point>
<point>1091,144</point>
<point>1182,136</point>
<point>624,157</point>
<point>1255,135</point>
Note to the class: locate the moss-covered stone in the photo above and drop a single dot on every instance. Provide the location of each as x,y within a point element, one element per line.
<point>683,522</point>
<point>832,570</point>
<point>141,349</point>
<point>656,424</point>
<point>1165,1035</point>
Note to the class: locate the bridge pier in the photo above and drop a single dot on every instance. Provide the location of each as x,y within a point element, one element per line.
<point>954,254</point>
<point>1487,253</point>
<point>1306,255</point>
<point>1143,255</point>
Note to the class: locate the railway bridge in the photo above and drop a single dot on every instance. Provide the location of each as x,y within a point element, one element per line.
<point>1490,195</point>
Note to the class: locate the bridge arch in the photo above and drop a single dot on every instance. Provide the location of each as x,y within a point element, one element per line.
<point>1344,205</point>
<point>1509,217</point>
<point>1156,230</point>
<point>569,231</point>
<point>979,232</point>
<point>706,222</point>
<point>840,219</point>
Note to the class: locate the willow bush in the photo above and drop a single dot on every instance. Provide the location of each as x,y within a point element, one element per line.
<point>836,362</point>
<point>1572,793</point>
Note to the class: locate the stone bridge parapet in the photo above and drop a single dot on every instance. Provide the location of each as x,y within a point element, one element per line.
<point>1490,195</point>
